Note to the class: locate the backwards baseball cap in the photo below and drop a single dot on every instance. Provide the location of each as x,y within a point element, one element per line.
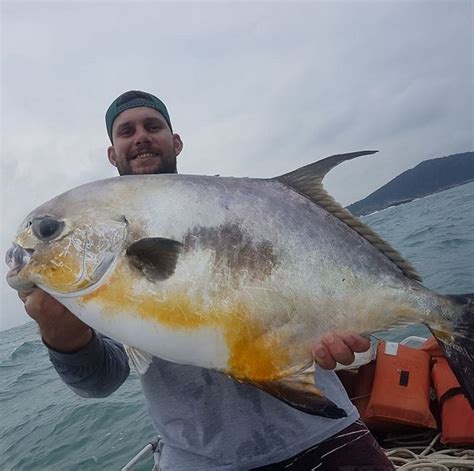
<point>134,99</point>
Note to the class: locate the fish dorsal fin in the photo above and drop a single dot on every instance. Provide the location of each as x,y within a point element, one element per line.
<point>308,181</point>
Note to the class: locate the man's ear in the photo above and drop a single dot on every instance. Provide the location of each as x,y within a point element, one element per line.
<point>178,144</point>
<point>111,155</point>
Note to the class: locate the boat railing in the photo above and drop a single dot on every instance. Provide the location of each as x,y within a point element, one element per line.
<point>417,451</point>
<point>152,448</point>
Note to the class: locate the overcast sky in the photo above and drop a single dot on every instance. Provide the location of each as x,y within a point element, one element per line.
<point>254,88</point>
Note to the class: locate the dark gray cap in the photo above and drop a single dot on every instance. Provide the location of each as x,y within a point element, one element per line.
<point>134,99</point>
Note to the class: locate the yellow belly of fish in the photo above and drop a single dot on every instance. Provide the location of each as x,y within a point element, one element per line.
<point>253,353</point>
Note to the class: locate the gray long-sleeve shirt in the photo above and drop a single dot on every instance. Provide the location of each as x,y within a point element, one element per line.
<point>207,420</point>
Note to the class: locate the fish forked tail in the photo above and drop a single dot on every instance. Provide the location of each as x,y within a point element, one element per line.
<point>459,348</point>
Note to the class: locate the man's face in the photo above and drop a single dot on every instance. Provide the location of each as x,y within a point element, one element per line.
<point>143,143</point>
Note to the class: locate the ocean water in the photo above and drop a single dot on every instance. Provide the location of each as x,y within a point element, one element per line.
<point>44,426</point>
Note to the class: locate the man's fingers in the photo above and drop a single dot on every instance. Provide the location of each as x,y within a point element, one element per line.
<point>338,348</point>
<point>330,350</point>
<point>356,342</point>
<point>40,305</point>
<point>23,295</point>
<point>323,358</point>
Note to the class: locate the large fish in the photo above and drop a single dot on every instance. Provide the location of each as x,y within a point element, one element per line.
<point>235,274</point>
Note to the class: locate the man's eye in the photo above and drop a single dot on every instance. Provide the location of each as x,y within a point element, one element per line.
<point>125,132</point>
<point>47,228</point>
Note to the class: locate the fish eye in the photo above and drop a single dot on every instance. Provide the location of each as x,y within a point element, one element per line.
<point>47,228</point>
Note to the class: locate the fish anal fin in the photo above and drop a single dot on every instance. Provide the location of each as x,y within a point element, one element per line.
<point>156,257</point>
<point>308,180</point>
<point>139,359</point>
<point>299,391</point>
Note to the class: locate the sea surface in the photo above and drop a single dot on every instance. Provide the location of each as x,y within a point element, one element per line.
<point>44,426</point>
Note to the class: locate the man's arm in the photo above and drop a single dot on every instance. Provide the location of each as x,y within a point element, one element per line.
<point>90,364</point>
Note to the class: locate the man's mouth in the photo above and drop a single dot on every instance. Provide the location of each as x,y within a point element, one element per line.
<point>144,156</point>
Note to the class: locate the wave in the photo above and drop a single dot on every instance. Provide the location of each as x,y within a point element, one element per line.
<point>25,349</point>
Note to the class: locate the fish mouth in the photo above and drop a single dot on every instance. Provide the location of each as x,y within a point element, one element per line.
<point>17,258</point>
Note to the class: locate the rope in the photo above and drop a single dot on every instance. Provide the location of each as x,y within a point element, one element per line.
<point>417,452</point>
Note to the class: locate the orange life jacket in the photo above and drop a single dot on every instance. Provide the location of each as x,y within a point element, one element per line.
<point>457,416</point>
<point>400,389</point>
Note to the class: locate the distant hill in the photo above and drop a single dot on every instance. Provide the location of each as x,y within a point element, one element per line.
<point>428,177</point>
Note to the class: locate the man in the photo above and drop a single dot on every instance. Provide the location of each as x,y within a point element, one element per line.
<point>207,420</point>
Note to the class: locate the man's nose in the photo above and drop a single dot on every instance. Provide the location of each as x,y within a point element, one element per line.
<point>141,136</point>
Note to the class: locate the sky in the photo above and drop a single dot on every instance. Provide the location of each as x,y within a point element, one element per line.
<point>254,89</point>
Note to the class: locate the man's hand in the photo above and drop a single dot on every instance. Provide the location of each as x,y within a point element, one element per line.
<point>60,329</point>
<point>335,348</point>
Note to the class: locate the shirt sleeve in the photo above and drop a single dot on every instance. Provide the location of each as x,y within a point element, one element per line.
<point>97,370</point>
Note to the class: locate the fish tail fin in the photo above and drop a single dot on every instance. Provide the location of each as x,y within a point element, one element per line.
<point>298,390</point>
<point>458,346</point>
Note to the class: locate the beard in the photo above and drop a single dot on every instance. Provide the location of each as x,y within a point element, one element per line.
<point>150,166</point>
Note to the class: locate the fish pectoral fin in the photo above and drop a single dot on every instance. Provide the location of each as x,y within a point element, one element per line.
<point>156,257</point>
<point>299,391</point>
<point>139,359</point>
